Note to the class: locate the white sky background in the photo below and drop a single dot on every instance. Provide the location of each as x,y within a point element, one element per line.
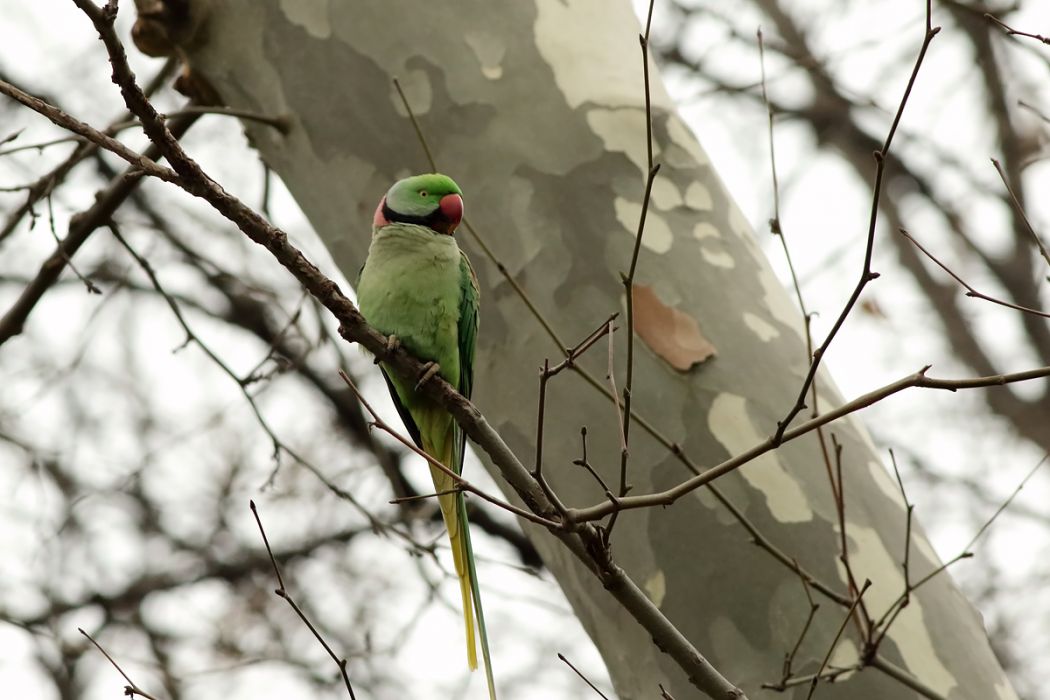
<point>50,46</point>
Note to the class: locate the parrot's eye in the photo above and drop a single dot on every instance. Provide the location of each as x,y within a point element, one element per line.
<point>423,193</point>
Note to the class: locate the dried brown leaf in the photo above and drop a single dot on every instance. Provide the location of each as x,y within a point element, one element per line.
<point>671,334</point>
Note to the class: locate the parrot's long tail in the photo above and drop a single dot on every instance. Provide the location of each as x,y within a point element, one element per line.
<point>454,512</point>
<point>459,536</point>
<point>475,591</point>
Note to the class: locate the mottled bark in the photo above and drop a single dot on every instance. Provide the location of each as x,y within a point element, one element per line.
<point>535,107</point>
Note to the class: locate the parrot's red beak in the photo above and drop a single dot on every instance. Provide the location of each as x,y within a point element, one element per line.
<point>451,207</point>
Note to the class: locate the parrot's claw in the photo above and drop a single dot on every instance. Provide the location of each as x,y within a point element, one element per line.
<point>431,368</point>
<point>392,344</point>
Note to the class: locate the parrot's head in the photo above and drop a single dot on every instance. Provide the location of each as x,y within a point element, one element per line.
<point>432,200</point>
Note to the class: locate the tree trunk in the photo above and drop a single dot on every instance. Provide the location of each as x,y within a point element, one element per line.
<point>536,108</point>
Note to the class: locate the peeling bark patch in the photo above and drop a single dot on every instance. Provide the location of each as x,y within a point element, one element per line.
<point>311,15</point>
<point>763,330</point>
<point>738,222</point>
<point>870,559</point>
<point>574,40</point>
<point>489,50</point>
<point>657,236</point>
<point>668,332</point>
<point>705,230</point>
<point>656,587</point>
<point>665,194</point>
<point>718,258</point>
<point>844,656</point>
<point>776,300</point>
<point>698,197</point>
<point>619,129</point>
<point>683,137</point>
<point>731,425</point>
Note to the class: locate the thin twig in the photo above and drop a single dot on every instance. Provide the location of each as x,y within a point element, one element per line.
<point>81,227</point>
<point>1006,503</point>
<point>130,690</point>
<point>1020,211</point>
<point>191,337</point>
<point>585,679</point>
<point>415,125</point>
<point>282,124</point>
<point>860,612</point>
<point>910,508</point>
<point>541,406</point>
<point>1015,32</point>
<point>610,376</point>
<point>829,675</point>
<point>537,473</point>
<point>901,601</point>
<point>282,592</point>
<point>585,463</point>
<point>906,679</point>
<point>970,291</point>
<point>620,422</point>
<point>91,287</point>
<point>60,118</point>
<point>777,229</point>
<point>774,224</point>
<point>877,632</point>
<point>838,635</point>
<point>867,274</point>
<point>41,145</point>
<point>624,418</point>
<point>422,496</point>
<point>461,483</point>
<point>789,658</point>
<point>12,136</point>
<point>50,180</point>
<point>576,351</point>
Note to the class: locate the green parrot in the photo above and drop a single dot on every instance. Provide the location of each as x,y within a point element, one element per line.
<point>418,287</point>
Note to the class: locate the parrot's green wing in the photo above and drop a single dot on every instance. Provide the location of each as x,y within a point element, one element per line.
<point>402,410</point>
<point>468,335</point>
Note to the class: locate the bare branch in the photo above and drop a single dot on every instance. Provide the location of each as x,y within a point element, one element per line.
<point>282,592</point>
<point>835,641</point>
<point>1015,32</point>
<point>130,690</point>
<point>867,274</point>
<point>140,161</point>
<point>585,679</point>
<point>918,379</point>
<point>81,226</point>
<point>1020,212</point>
<point>970,291</point>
